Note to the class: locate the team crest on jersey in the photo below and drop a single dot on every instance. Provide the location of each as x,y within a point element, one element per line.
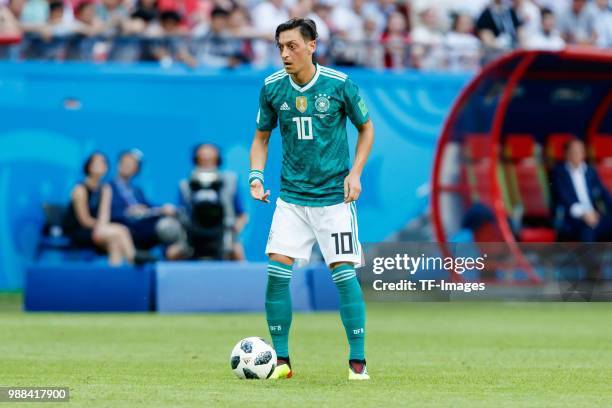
<point>301,103</point>
<point>322,103</point>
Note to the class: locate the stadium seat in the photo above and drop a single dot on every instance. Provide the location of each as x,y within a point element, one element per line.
<point>476,169</point>
<point>555,144</point>
<point>600,148</point>
<point>475,175</point>
<point>529,189</point>
<point>53,240</point>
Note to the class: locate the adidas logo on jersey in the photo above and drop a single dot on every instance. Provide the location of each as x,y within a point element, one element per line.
<point>285,107</point>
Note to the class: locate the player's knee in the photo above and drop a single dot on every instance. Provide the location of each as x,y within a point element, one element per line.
<point>281,259</point>
<point>334,265</point>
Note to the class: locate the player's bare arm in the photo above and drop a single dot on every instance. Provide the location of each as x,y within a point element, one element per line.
<point>259,156</point>
<point>352,182</point>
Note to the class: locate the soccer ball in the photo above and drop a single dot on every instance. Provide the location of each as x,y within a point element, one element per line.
<point>253,358</point>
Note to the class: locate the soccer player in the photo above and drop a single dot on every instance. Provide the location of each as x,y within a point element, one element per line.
<point>318,191</point>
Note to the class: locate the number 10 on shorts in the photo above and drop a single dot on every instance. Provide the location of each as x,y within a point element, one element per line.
<point>344,242</point>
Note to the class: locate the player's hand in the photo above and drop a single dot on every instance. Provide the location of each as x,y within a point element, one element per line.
<point>257,192</point>
<point>352,187</point>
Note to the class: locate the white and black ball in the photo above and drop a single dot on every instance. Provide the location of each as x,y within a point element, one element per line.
<point>253,358</point>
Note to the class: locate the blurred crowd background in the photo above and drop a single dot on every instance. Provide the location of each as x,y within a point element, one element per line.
<point>421,34</point>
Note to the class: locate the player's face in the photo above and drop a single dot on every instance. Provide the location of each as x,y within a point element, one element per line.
<point>295,51</point>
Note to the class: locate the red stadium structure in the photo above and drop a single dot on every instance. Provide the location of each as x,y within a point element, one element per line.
<point>506,129</point>
<point>9,40</point>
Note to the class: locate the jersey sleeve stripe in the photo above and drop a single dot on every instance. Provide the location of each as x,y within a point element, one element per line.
<point>334,72</point>
<point>333,76</point>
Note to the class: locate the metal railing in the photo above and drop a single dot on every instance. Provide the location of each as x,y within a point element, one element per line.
<point>229,52</point>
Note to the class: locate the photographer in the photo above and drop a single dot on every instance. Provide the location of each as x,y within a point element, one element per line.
<point>213,207</point>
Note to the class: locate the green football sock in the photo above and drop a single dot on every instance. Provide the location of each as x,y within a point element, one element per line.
<point>352,309</point>
<point>278,306</point>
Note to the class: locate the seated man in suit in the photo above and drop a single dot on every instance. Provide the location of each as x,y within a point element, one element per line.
<point>149,225</point>
<point>585,201</point>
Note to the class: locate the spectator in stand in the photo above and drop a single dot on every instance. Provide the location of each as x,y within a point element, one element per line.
<point>9,19</point>
<point>463,48</point>
<point>311,9</point>
<point>87,220</point>
<point>348,26</point>
<point>499,27</point>
<point>381,10</point>
<point>86,22</point>
<point>577,24</point>
<point>149,226</point>
<point>143,15</point>
<point>548,38</point>
<point>348,20</point>
<point>170,45</point>
<point>396,40</point>
<point>35,13</point>
<point>558,7</point>
<point>428,30</point>
<point>266,16</point>
<point>190,11</point>
<point>113,15</point>
<point>239,26</point>
<point>372,53</point>
<point>216,48</point>
<point>320,13</point>
<point>57,24</point>
<point>448,8</point>
<point>427,38</point>
<point>529,15</point>
<point>603,23</point>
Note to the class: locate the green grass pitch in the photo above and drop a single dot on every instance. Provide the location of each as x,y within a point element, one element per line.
<point>419,354</point>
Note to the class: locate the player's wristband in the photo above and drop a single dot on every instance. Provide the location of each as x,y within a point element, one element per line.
<point>256,175</point>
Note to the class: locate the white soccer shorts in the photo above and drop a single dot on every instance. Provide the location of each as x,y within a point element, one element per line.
<point>295,229</point>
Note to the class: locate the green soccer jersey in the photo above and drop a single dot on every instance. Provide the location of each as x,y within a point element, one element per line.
<point>312,121</point>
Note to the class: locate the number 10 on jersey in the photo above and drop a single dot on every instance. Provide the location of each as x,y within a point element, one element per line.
<point>304,127</point>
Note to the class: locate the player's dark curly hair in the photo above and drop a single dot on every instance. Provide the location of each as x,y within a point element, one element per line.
<point>308,28</point>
